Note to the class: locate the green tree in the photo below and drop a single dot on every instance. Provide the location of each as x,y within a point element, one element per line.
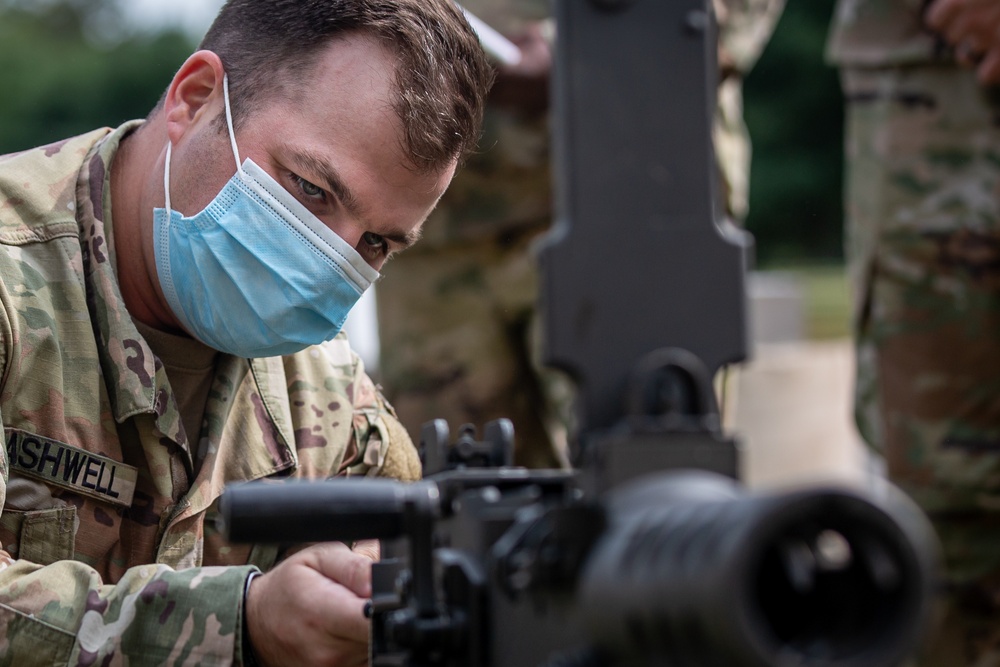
<point>794,110</point>
<point>60,78</point>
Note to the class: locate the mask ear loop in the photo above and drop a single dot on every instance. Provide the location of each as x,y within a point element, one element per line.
<point>232,141</point>
<point>229,124</point>
<point>166,179</point>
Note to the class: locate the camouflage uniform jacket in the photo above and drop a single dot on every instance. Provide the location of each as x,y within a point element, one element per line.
<point>745,26</point>
<point>504,191</point>
<point>111,556</point>
<point>882,33</point>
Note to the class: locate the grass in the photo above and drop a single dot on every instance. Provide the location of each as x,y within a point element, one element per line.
<point>827,299</point>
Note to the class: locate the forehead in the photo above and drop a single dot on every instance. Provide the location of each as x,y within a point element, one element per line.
<point>352,74</point>
<point>341,110</point>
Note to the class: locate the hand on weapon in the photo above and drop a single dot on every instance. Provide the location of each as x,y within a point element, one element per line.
<point>368,548</point>
<point>309,610</point>
<point>973,28</point>
<point>649,553</point>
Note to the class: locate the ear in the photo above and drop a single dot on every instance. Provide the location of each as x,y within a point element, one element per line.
<point>195,94</point>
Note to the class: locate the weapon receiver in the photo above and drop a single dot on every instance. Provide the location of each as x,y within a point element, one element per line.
<point>649,552</point>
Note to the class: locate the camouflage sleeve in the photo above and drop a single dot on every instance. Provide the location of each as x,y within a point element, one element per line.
<point>745,26</point>
<point>61,614</point>
<point>384,447</point>
<point>64,614</point>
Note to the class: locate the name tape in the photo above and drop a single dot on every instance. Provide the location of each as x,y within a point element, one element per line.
<point>70,467</point>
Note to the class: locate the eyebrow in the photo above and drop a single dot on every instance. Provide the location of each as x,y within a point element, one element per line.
<point>408,239</point>
<point>331,179</point>
<point>335,184</point>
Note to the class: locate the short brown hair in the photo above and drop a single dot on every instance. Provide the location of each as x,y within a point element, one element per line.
<point>442,75</point>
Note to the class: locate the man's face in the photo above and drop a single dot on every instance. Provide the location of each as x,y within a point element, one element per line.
<point>334,141</point>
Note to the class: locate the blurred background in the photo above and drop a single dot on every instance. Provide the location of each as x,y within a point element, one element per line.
<point>68,66</point>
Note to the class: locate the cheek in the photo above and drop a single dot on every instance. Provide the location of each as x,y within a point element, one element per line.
<point>195,187</point>
<point>199,170</point>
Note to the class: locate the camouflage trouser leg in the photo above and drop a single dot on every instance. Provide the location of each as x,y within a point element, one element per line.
<point>460,341</point>
<point>732,148</point>
<point>923,241</point>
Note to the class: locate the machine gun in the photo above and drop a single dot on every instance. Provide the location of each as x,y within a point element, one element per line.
<point>649,552</point>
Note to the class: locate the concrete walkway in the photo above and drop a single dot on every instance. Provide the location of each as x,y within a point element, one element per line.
<point>793,414</point>
<point>792,407</point>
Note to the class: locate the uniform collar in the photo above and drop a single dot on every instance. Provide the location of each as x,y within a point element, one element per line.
<point>129,366</point>
<point>136,380</point>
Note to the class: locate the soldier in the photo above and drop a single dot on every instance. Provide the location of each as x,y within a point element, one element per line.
<point>744,29</point>
<point>167,288</point>
<point>923,245</point>
<point>457,321</point>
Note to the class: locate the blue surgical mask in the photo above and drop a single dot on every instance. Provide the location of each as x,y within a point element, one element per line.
<point>255,274</point>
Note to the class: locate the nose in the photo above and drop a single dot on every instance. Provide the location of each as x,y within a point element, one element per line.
<point>350,231</point>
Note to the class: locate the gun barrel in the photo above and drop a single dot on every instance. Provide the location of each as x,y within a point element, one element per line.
<point>694,571</point>
<point>342,509</point>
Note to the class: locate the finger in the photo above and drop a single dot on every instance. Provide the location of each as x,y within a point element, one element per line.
<point>977,21</point>
<point>334,608</point>
<point>970,26</point>
<point>336,561</point>
<point>941,13</point>
<point>991,28</point>
<point>297,615</point>
<point>988,72</point>
<point>966,55</point>
<point>957,34</point>
<point>345,615</point>
<point>370,549</point>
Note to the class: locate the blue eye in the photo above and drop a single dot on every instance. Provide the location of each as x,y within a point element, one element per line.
<point>308,188</point>
<point>373,240</point>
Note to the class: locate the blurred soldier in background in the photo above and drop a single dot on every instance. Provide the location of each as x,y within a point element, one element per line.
<point>923,245</point>
<point>459,331</point>
<point>457,322</point>
<point>744,29</point>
